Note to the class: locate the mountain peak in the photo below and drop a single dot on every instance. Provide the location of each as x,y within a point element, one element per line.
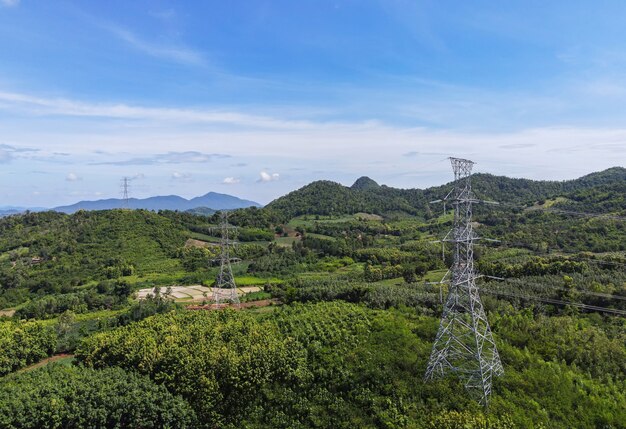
<point>364,183</point>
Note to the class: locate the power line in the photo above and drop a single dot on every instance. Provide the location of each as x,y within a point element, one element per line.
<point>609,216</point>
<point>568,257</point>
<point>562,302</point>
<point>563,289</point>
<point>600,262</point>
<point>584,214</point>
<point>558,301</point>
<point>558,288</point>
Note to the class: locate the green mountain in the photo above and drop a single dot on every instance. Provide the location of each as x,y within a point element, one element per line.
<point>365,195</point>
<point>201,211</point>
<point>331,198</point>
<point>364,183</point>
<point>511,190</point>
<point>50,252</point>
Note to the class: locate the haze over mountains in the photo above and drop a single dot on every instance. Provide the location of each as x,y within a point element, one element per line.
<point>211,200</point>
<point>365,195</point>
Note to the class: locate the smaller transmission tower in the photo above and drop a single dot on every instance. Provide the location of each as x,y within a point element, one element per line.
<point>464,344</point>
<point>225,289</point>
<point>125,188</point>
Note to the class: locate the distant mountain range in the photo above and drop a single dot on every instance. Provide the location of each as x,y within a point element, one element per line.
<point>207,203</point>
<point>11,210</point>
<point>212,200</point>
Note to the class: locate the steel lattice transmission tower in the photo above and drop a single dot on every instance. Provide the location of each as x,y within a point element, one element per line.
<point>225,289</point>
<point>125,188</point>
<point>464,344</point>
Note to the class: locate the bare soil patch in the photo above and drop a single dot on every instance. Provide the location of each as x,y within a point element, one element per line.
<point>46,361</point>
<point>191,242</point>
<point>7,313</point>
<point>368,216</point>
<point>193,293</point>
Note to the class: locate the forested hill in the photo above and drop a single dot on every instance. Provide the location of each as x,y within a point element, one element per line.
<point>511,190</point>
<point>49,252</point>
<point>326,197</point>
<point>365,195</point>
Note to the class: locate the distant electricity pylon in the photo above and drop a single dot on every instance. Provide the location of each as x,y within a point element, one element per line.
<point>464,344</point>
<point>125,188</point>
<point>225,289</point>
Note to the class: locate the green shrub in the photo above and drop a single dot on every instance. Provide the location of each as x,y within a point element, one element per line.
<point>59,396</point>
<point>23,343</point>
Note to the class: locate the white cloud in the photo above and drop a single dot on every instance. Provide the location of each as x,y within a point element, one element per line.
<point>267,177</point>
<point>181,176</point>
<point>170,52</point>
<point>6,156</point>
<point>8,153</point>
<point>168,158</point>
<point>346,150</point>
<point>231,180</point>
<point>72,177</point>
<point>65,107</point>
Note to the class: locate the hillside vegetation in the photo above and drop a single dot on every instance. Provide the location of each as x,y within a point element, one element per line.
<point>89,399</point>
<point>330,198</point>
<point>342,365</point>
<point>48,253</point>
<point>345,339</point>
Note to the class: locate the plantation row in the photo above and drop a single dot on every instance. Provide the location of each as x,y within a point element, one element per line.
<point>324,365</point>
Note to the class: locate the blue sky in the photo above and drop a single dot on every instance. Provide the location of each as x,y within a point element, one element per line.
<point>257,98</point>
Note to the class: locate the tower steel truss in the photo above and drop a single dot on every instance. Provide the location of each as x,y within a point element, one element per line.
<point>125,188</point>
<point>464,344</point>
<point>225,289</point>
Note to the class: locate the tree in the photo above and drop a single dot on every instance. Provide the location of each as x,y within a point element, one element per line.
<point>23,343</point>
<point>59,396</point>
<point>408,273</point>
<point>235,354</point>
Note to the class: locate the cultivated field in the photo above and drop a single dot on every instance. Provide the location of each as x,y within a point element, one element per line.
<point>194,293</point>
